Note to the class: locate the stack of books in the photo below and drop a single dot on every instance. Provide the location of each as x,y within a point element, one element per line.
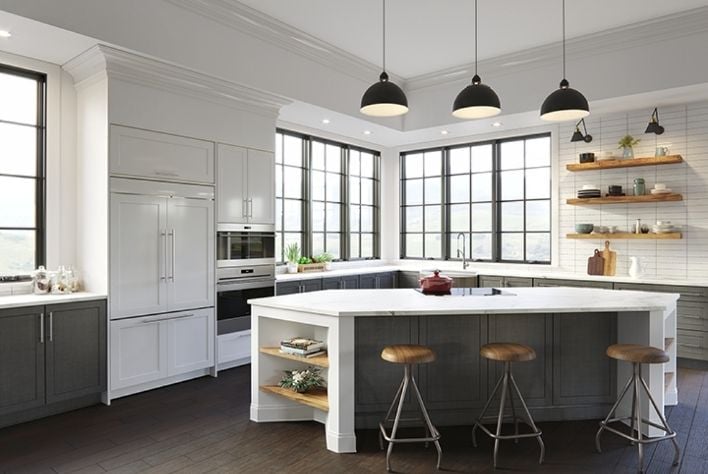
<point>302,346</point>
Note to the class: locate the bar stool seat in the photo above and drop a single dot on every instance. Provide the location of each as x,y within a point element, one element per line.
<point>508,352</point>
<point>638,355</point>
<point>407,355</point>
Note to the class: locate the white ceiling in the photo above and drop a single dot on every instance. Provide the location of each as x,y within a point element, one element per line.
<point>425,36</point>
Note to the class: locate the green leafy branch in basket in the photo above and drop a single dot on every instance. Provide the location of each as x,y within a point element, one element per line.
<point>302,380</point>
<point>628,141</point>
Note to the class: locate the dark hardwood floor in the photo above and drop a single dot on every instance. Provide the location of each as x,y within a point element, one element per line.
<point>203,426</point>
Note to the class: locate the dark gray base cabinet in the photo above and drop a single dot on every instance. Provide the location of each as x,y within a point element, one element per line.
<point>486,281</point>
<point>52,358</point>
<point>349,282</point>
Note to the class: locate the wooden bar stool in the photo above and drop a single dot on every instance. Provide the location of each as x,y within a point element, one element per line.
<point>508,352</point>
<point>408,355</point>
<point>638,355</point>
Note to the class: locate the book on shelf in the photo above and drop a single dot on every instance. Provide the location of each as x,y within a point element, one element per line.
<point>302,344</point>
<point>300,352</point>
<point>306,355</point>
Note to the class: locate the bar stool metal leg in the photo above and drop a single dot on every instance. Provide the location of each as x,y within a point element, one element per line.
<point>432,433</point>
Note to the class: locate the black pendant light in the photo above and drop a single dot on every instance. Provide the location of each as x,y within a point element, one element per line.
<point>476,100</point>
<point>578,135</point>
<point>565,103</point>
<point>384,98</point>
<point>654,126</point>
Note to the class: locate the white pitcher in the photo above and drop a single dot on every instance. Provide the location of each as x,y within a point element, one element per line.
<point>635,269</point>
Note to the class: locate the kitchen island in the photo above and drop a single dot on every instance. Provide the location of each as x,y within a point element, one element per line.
<point>569,328</point>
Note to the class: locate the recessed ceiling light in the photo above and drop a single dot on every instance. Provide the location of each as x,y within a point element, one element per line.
<point>367,132</point>
<point>444,132</point>
<point>497,124</point>
<point>5,34</point>
<point>325,121</point>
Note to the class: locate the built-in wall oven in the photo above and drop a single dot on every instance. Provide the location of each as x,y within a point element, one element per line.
<point>245,270</point>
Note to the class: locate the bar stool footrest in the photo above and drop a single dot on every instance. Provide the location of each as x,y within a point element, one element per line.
<point>535,434</point>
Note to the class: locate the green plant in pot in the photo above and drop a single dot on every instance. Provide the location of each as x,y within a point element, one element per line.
<point>325,258</point>
<point>292,256</point>
<point>627,144</point>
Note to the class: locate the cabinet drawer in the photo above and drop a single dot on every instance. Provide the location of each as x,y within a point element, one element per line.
<point>518,282</point>
<point>138,351</point>
<point>692,344</point>
<point>550,282</point>
<point>148,154</point>
<point>234,346</point>
<point>685,291</point>
<point>490,281</point>
<point>692,315</point>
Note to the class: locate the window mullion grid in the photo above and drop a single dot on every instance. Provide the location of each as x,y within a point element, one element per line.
<point>496,203</point>
<point>523,237</point>
<point>401,206</point>
<point>306,197</point>
<point>376,253</point>
<point>444,221</point>
<point>344,227</point>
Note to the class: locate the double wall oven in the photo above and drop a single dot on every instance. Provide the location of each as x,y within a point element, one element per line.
<point>245,269</point>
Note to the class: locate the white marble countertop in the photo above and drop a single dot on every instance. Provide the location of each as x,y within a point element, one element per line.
<point>18,301</point>
<point>406,302</point>
<point>455,267</point>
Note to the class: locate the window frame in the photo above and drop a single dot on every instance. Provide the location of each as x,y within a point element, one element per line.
<point>496,202</point>
<point>344,175</point>
<point>39,228</point>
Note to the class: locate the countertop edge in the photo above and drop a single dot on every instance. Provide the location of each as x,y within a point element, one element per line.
<point>19,301</point>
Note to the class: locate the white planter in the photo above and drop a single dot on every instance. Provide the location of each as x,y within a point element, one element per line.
<point>292,267</point>
<point>328,266</point>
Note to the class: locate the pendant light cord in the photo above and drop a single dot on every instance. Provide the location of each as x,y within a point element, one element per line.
<point>475,37</point>
<point>563,39</point>
<point>384,35</point>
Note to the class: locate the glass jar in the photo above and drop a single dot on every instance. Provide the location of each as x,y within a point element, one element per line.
<point>639,187</point>
<point>41,281</point>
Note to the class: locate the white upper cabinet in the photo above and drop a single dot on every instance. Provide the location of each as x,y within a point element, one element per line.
<point>245,186</point>
<point>231,184</point>
<point>148,154</point>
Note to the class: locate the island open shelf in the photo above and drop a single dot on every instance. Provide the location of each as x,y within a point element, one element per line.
<point>319,361</point>
<point>625,163</point>
<point>625,199</point>
<point>315,399</point>
<point>627,236</point>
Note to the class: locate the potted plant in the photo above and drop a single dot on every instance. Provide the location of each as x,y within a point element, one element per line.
<point>627,144</point>
<point>302,381</point>
<point>325,258</point>
<point>292,256</point>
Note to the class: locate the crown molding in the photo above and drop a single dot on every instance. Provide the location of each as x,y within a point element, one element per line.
<point>142,70</point>
<point>245,19</point>
<point>652,31</point>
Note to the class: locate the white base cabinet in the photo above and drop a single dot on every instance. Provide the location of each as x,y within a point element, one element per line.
<point>152,348</point>
<point>233,349</point>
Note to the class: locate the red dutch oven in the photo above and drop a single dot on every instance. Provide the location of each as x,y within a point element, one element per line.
<point>436,284</point>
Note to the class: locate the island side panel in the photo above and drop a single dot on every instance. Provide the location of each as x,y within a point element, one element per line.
<point>339,424</point>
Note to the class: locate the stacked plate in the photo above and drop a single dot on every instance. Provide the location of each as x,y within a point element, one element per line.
<point>589,191</point>
<point>660,188</point>
<point>664,227</point>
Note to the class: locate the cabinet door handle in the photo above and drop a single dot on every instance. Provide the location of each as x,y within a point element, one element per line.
<point>244,208</point>
<point>51,326</point>
<point>166,173</point>
<point>41,328</point>
<point>174,254</point>
<point>161,249</point>
<point>157,320</point>
<point>250,208</point>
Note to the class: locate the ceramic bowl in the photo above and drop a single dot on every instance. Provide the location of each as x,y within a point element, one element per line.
<point>660,186</point>
<point>584,228</point>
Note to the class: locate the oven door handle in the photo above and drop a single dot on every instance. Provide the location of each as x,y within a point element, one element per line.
<point>233,285</point>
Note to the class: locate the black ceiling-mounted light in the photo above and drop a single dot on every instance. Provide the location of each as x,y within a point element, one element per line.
<point>384,98</point>
<point>476,100</point>
<point>578,136</point>
<point>654,126</point>
<point>565,103</point>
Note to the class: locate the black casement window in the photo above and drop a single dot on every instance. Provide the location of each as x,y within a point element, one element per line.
<point>496,193</point>
<point>327,197</point>
<point>22,170</point>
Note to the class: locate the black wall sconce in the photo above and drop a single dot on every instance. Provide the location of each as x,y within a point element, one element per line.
<point>654,126</point>
<point>578,135</point>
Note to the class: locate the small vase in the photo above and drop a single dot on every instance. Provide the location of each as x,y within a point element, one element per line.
<point>328,266</point>
<point>292,267</point>
<point>627,152</point>
<point>635,270</point>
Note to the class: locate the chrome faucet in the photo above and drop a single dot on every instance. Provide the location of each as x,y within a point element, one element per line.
<point>465,263</point>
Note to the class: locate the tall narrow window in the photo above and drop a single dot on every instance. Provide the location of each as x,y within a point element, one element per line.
<point>326,198</point>
<point>423,197</point>
<point>363,207</point>
<point>289,196</point>
<point>22,151</point>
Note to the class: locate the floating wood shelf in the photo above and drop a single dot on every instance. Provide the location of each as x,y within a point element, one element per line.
<point>315,399</point>
<point>626,235</point>
<point>625,163</point>
<point>625,199</point>
<point>320,360</point>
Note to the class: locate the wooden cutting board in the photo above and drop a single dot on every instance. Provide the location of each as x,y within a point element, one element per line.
<point>596,264</point>
<point>610,257</point>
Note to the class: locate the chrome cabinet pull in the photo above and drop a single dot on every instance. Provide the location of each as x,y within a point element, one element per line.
<point>166,173</point>
<point>157,320</point>
<point>250,208</point>
<point>174,254</point>
<point>161,249</point>
<point>41,328</point>
<point>51,326</point>
<point>244,208</point>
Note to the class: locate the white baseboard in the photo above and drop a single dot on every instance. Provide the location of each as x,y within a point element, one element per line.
<point>124,392</point>
<point>234,363</point>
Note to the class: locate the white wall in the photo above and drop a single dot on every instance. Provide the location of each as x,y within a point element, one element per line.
<point>61,163</point>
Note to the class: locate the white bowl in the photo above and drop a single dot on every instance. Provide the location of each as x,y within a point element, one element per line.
<point>659,186</point>
<point>589,186</point>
